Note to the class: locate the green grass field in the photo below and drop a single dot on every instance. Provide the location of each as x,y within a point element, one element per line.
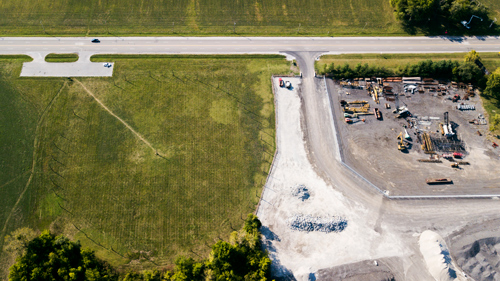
<point>195,17</point>
<point>391,61</point>
<point>203,17</point>
<point>69,165</point>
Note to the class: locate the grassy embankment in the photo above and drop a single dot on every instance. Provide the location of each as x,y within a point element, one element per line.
<point>392,61</point>
<point>210,119</point>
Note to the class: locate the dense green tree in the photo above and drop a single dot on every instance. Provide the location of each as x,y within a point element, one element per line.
<point>472,56</point>
<point>188,269</point>
<point>468,72</point>
<point>252,224</point>
<point>438,15</point>
<point>462,10</point>
<point>242,258</point>
<point>493,85</point>
<point>50,257</point>
<point>414,11</point>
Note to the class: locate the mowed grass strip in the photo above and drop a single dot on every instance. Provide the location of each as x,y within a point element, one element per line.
<point>211,121</point>
<point>61,57</point>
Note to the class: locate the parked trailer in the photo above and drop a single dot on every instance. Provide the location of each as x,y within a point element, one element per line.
<point>378,114</point>
<point>439,181</point>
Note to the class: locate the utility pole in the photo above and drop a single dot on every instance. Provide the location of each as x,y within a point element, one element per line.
<point>234,27</point>
<point>42,26</point>
<point>298,29</point>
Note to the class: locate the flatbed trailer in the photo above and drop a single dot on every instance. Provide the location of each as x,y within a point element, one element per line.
<point>439,181</point>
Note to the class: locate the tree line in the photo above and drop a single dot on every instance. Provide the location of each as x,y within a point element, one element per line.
<point>467,72</point>
<point>50,257</point>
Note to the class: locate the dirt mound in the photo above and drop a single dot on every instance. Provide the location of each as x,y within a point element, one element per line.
<point>481,259</point>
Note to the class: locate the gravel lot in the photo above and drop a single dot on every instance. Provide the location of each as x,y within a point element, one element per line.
<point>304,252</point>
<point>378,229</point>
<point>370,147</point>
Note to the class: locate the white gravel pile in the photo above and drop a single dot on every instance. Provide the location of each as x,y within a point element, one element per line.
<point>301,192</point>
<point>322,224</point>
<point>437,256</point>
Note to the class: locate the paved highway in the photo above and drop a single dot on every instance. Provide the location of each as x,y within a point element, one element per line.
<point>238,45</point>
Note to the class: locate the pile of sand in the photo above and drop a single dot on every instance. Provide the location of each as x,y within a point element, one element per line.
<point>437,256</point>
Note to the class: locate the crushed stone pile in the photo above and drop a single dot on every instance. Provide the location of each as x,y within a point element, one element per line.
<point>322,224</point>
<point>301,192</point>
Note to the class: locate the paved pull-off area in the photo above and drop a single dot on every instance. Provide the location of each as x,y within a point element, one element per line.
<point>81,68</point>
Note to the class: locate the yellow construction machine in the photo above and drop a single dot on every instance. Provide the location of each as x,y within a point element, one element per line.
<point>401,144</point>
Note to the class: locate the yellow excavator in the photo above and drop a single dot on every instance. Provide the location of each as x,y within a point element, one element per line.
<point>401,144</point>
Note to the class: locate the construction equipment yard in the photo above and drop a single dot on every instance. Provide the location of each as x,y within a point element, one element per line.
<point>399,133</point>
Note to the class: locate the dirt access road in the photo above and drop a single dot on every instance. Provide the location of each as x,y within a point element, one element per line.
<point>377,228</point>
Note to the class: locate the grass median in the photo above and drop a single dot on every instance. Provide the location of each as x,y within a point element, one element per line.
<point>161,159</point>
<point>61,58</point>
